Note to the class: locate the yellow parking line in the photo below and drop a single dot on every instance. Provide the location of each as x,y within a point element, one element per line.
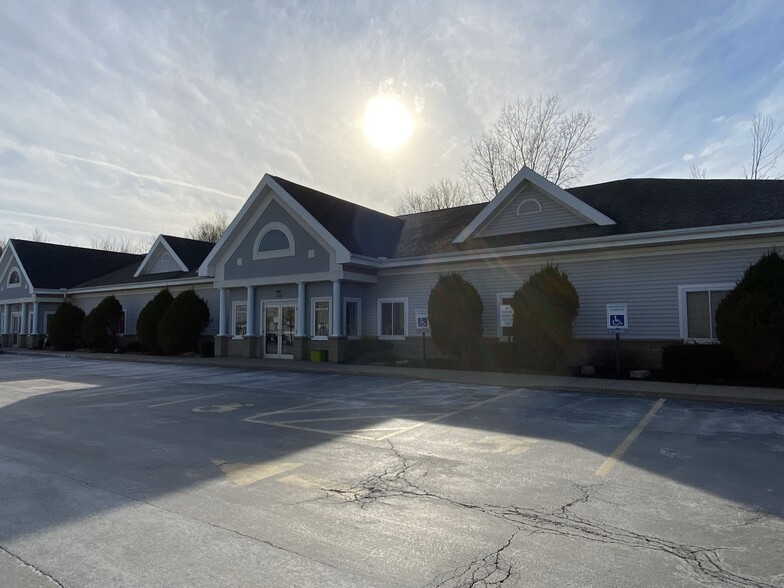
<point>610,462</point>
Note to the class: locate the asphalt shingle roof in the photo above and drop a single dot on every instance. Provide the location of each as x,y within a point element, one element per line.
<point>361,230</point>
<point>51,266</point>
<point>191,251</point>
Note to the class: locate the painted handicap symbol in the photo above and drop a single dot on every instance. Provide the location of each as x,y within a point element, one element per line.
<point>617,320</point>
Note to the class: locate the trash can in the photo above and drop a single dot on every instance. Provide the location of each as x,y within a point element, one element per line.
<point>318,355</point>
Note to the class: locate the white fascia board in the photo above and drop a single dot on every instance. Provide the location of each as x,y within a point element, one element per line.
<point>580,208</point>
<point>160,241</point>
<point>10,252</point>
<point>342,254</point>
<point>142,285</point>
<point>595,243</point>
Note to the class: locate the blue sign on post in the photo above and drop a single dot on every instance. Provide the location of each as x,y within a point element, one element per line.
<point>617,318</point>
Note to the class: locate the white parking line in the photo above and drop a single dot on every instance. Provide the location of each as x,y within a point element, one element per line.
<point>190,398</point>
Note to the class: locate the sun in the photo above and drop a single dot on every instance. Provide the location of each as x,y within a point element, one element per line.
<point>388,124</point>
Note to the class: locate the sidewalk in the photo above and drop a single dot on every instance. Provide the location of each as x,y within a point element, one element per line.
<point>735,394</point>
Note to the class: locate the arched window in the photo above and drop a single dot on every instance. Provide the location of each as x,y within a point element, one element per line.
<point>14,279</point>
<point>529,206</point>
<point>274,240</point>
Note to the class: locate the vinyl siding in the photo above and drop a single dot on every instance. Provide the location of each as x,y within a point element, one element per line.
<point>553,215</point>
<point>647,283</point>
<point>159,266</point>
<point>12,293</point>
<point>299,263</point>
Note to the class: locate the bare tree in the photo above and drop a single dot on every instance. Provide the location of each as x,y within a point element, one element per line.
<point>443,194</point>
<point>765,153</point>
<point>122,244</point>
<point>698,172</point>
<point>209,229</point>
<point>536,132</point>
<point>38,236</point>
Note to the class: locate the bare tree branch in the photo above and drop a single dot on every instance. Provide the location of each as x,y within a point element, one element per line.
<point>209,229</point>
<point>38,235</point>
<point>697,172</point>
<point>535,132</point>
<point>443,194</point>
<point>122,244</point>
<point>765,153</point>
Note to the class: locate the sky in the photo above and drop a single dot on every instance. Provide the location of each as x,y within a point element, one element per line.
<point>130,119</point>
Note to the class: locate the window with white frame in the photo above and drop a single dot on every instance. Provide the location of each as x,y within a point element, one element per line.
<point>239,321</point>
<point>393,318</point>
<point>121,326</point>
<point>274,240</point>
<point>14,279</point>
<point>352,311</point>
<point>697,305</point>
<point>529,206</point>
<point>320,318</point>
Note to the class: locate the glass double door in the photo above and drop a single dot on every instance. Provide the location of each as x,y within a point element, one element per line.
<point>16,328</point>
<point>279,329</point>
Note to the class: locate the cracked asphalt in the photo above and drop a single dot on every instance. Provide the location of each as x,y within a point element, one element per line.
<point>118,474</point>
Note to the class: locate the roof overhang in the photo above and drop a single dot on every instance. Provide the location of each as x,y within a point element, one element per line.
<point>574,204</point>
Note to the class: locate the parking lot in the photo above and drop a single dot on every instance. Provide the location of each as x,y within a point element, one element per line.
<point>132,474</point>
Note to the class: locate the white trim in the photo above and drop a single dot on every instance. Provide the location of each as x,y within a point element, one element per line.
<point>313,301</point>
<point>574,204</point>
<point>18,273</point>
<point>683,319</point>
<point>342,254</point>
<point>359,317</point>
<point>47,315</point>
<point>234,306</point>
<point>151,259</point>
<point>498,297</point>
<point>674,236</point>
<point>382,301</point>
<point>526,201</point>
<point>269,227</point>
<point>142,286</point>
<point>275,280</point>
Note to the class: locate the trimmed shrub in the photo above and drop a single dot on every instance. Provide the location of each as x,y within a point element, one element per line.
<point>454,309</point>
<point>750,319</point>
<point>102,324</point>
<point>182,323</point>
<point>698,362</point>
<point>65,325</point>
<point>149,317</point>
<point>545,307</point>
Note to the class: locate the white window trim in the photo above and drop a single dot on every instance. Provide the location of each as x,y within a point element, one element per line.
<point>47,317</point>
<point>17,284</point>
<point>527,200</point>
<point>313,301</point>
<point>498,297</point>
<point>234,306</point>
<point>359,316</point>
<point>273,226</point>
<point>382,301</point>
<point>683,319</point>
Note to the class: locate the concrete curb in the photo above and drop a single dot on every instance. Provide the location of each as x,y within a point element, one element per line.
<point>641,388</point>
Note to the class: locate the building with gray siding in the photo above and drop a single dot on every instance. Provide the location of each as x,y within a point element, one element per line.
<point>298,270</point>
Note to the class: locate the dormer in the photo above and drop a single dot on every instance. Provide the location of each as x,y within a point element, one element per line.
<point>160,259</point>
<point>530,202</point>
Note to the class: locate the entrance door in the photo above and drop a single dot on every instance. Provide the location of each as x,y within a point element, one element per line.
<point>279,329</point>
<point>16,328</point>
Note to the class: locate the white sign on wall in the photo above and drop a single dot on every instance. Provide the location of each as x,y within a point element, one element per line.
<point>617,318</point>
<point>507,316</point>
<point>422,322</point>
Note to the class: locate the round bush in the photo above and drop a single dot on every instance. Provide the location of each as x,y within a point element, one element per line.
<point>65,326</point>
<point>182,323</point>
<point>149,317</point>
<point>750,318</point>
<point>102,324</point>
<point>454,310</point>
<point>545,307</point>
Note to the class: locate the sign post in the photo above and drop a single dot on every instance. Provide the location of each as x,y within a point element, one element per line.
<point>617,322</point>
<point>422,324</point>
<point>506,313</point>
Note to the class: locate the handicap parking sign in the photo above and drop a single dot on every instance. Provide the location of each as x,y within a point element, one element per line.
<point>617,318</point>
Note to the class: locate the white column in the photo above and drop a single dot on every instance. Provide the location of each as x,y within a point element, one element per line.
<point>251,330</point>
<point>35,318</point>
<point>23,330</point>
<point>300,309</point>
<point>222,313</point>
<point>6,318</point>
<point>337,328</point>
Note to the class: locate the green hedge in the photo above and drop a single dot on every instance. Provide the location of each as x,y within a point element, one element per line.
<point>149,317</point>
<point>182,323</point>
<point>699,362</point>
<point>102,324</point>
<point>454,311</point>
<point>65,326</point>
